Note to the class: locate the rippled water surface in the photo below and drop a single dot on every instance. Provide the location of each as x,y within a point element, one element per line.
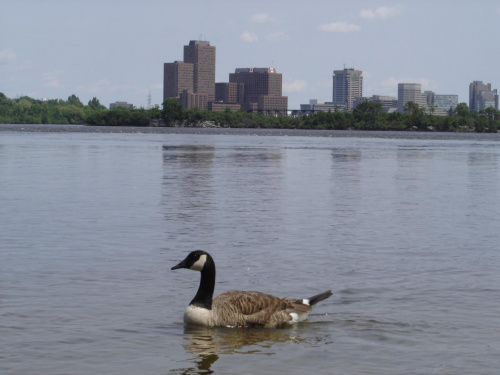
<point>403,228</point>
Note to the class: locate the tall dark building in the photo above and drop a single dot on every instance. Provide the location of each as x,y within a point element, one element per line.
<point>196,74</point>
<point>229,92</point>
<point>262,89</point>
<point>202,55</point>
<point>177,77</point>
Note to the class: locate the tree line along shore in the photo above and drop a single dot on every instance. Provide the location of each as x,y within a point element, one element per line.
<point>366,116</point>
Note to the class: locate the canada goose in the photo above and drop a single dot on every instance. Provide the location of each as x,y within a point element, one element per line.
<point>240,309</point>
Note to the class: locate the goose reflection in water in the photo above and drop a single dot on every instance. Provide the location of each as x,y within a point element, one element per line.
<point>207,344</point>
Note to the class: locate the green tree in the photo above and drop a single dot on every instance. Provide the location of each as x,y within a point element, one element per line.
<point>139,117</point>
<point>73,114</point>
<point>462,110</point>
<point>172,111</point>
<point>416,115</point>
<point>368,113</point>
<point>491,113</point>
<point>95,104</point>
<point>74,100</point>
<point>155,111</point>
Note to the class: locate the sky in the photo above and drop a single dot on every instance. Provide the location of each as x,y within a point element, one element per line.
<point>114,50</point>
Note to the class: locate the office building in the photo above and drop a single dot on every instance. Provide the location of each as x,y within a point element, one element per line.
<point>358,100</point>
<point>411,92</point>
<point>120,105</point>
<point>445,101</point>
<point>429,98</point>
<point>487,100</point>
<point>192,100</point>
<point>318,105</point>
<point>260,89</point>
<point>229,92</point>
<point>440,105</point>
<point>177,77</point>
<point>481,96</point>
<point>221,106</point>
<point>194,75</point>
<point>347,85</point>
<point>202,55</point>
<point>387,102</point>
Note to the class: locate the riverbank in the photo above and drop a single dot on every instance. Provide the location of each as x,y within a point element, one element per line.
<point>37,128</point>
<point>366,116</point>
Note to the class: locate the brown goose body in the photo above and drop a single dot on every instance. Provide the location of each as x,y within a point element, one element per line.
<point>239,308</point>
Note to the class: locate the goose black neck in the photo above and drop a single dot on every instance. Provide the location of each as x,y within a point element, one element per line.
<point>205,292</point>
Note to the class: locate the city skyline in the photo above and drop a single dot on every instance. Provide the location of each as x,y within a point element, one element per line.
<point>115,51</point>
<point>192,82</point>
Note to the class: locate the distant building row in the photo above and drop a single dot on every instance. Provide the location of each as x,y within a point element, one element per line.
<point>192,82</point>
<point>348,93</point>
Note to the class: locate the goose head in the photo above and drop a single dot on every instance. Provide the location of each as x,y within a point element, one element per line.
<point>196,261</point>
<point>200,260</point>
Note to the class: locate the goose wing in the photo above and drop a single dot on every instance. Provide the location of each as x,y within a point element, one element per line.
<point>255,308</point>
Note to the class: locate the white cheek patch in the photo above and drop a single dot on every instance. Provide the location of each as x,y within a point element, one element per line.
<point>199,264</point>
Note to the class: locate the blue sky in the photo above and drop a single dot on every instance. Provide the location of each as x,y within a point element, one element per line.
<point>115,49</point>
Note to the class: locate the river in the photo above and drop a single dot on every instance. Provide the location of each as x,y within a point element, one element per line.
<point>403,227</point>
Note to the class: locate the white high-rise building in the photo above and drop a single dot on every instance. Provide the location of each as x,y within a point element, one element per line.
<point>410,92</point>
<point>347,85</point>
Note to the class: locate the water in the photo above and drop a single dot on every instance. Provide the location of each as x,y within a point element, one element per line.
<point>403,227</point>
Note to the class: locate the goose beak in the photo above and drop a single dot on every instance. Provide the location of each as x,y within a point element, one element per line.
<point>180,265</point>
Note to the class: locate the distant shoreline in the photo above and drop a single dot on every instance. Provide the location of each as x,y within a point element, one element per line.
<point>42,128</point>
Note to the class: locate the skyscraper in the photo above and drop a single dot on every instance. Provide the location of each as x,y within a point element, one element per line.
<point>347,85</point>
<point>410,92</point>
<point>202,55</point>
<point>481,96</point>
<point>195,75</point>
<point>177,77</point>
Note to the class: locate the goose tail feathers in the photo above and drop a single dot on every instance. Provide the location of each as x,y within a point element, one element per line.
<point>319,297</point>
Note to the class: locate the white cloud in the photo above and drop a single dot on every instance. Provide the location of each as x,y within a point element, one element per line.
<point>10,61</point>
<point>294,86</point>
<point>325,83</point>
<point>7,55</point>
<point>53,83</point>
<point>249,37</point>
<point>262,18</point>
<point>50,80</point>
<point>340,27</point>
<point>106,86</point>
<point>380,13</point>
<point>278,36</point>
<point>498,10</point>
<point>102,85</point>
